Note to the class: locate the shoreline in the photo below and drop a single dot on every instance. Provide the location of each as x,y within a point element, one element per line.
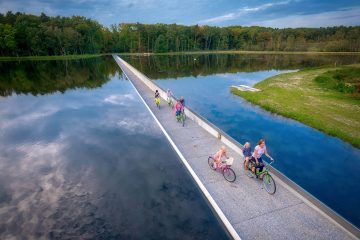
<point>296,96</point>
<point>239,52</point>
<point>50,58</point>
<point>80,56</point>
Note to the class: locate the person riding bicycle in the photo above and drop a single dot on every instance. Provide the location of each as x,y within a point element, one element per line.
<point>178,108</point>
<point>219,155</point>
<point>256,158</point>
<point>157,97</point>
<point>169,94</point>
<point>182,101</point>
<point>247,154</point>
<point>157,94</point>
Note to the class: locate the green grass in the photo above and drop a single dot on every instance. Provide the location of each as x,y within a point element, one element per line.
<point>322,104</point>
<point>47,58</point>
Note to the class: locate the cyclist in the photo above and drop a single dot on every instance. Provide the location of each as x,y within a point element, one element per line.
<point>259,150</point>
<point>182,100</point>
<point>219,155</point>
<point>247,154</point>
<point>157,97</point>
<point>157,94</point>
<point>169,95</point>
<point>178,109</point>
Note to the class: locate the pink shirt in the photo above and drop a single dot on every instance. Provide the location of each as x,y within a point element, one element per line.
<point>260,151</point>
<point>178,106</point>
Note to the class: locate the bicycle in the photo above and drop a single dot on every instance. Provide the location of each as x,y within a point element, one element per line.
<point>264,175</point>
<point>224,167</point>
<point>183,111</point>
<point>157,101</point>
<point>181,118</point>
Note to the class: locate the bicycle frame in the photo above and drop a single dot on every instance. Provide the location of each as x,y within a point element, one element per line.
<point>222,166</point>
<point>265,170</point>
<point>180,116</point>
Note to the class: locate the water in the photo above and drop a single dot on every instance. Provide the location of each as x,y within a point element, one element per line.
<point>177,66</point>
<point>325,166</point>
<point>81,157</point>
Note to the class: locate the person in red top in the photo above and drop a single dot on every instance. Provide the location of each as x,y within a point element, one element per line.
<point>178,108</point>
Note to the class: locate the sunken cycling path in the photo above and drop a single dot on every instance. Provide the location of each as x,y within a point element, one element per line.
<point>250,211</point>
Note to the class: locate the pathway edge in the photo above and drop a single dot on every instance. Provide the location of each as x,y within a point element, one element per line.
<point>294,188</point>
<point>203,189</point>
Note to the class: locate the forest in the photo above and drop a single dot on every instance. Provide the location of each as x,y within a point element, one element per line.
<point>29,35</point>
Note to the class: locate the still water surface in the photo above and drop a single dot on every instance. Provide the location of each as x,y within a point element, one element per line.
<point>81,157</point>
<point>325,166</point>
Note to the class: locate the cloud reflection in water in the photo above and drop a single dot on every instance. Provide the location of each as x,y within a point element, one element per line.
<point>101,169</point>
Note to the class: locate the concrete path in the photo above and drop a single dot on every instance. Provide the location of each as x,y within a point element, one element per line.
<point>250,209</point>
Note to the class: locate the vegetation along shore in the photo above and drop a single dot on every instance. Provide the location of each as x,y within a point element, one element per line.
<point>327,99</point>
<point>30,35</point>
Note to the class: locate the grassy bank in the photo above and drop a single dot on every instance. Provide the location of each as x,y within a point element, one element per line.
<point>327,99</point>
<point>47,58</point>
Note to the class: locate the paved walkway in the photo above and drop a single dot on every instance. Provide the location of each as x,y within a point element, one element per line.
<point>250,209</point>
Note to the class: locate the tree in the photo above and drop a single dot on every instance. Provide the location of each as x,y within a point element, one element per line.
<point>7,39</point>
<point>161,44</point>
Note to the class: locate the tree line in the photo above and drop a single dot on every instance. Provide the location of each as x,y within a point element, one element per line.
<point>29,35</point>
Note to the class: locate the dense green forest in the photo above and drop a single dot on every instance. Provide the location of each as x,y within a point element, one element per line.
<point>29,35</point>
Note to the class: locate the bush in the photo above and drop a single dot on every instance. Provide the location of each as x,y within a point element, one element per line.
<point>343,80</point>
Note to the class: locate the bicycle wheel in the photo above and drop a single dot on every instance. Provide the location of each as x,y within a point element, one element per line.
<point>183,119</point>
<point>229,174</point>
<point>269,184</point>
<point>211,163</point>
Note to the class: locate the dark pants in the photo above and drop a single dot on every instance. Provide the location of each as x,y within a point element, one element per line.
<point>261,164</point>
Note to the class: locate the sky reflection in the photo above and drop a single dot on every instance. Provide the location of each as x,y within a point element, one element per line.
<point>93,164</point>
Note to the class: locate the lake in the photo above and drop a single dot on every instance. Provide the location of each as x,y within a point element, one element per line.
<point>325,166</point>
<point>81,157</point>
